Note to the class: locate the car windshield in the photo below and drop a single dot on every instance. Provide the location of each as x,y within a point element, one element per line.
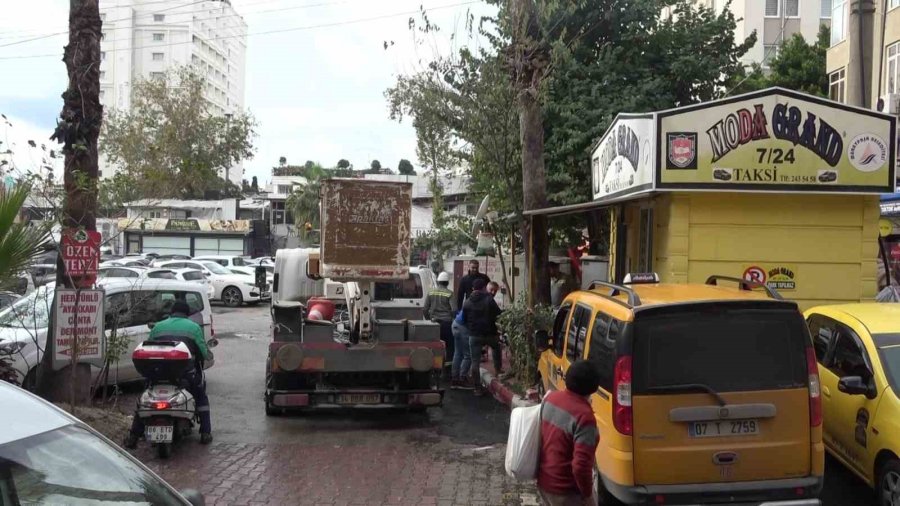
<point>890,360</point>
<point>216,268</point>
<point>73,466</point>
<point>31,312</point>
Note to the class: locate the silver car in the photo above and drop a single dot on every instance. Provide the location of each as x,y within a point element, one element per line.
<point>47,456</point>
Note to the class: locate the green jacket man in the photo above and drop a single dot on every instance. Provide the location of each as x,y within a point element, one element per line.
<point>179,324</point>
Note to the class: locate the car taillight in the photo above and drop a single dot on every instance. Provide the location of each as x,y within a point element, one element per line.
<point>623,418</point>
<point>815,389</point>
<point>161,405</point>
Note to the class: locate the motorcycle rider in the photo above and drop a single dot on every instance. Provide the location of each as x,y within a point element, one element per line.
<point>180,325</point>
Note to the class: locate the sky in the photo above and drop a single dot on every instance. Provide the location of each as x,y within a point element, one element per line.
<point>317,93</point>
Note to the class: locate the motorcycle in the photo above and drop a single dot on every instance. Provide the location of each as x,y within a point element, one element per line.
<point>166,406</point>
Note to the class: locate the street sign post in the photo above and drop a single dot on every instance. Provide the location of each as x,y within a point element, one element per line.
<point>80,251</point>
<point>78,327</point>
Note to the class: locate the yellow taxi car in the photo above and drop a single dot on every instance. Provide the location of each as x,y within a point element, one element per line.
<point>858,350</point>
<point>709,393</point>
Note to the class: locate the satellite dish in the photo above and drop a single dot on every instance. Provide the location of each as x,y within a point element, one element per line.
<point>482,210</point>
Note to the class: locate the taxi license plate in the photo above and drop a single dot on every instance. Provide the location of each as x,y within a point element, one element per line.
<point>724,428</point>
<point>359,399</point>
<point>159,433</point>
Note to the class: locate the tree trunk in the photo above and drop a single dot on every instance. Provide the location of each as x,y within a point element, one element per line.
<point>530,58</point>
<point>78,130</point>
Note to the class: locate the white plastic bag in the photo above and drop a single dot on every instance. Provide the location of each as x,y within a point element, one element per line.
<point>523,446</point>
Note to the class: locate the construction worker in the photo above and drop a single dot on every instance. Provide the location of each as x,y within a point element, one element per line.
<point>441,308</point>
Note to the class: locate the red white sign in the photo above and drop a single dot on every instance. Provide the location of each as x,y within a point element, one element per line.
<point>79,327</point>
<point>81,255</point>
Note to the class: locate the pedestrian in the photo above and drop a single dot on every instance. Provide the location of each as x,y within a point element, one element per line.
<point>440,307</point>
<point>481,314</point>
<point>462,357</point>
<point>561,284</point>
<point>467,282</point>
<point>569,439</point>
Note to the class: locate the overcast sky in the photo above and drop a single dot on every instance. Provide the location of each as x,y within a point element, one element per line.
<point>318,93</point>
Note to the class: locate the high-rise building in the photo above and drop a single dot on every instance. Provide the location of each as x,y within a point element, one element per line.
<point>774,21</point>
<point>864,59</point>
<point>142,39</point>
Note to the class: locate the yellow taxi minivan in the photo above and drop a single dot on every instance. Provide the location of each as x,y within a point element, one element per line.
<point>709,392</point>
<point>858,350</point>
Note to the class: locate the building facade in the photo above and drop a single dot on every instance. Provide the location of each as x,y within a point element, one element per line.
<point>143,39</point>
<point>774,22</point>
<point>864,58</point>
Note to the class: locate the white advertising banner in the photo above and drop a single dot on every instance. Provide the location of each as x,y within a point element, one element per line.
<point>78,327</point>
<point>622,162</point>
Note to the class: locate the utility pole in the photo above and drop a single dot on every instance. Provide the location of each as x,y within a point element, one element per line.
<point>860,31</point>
<point>529,57</point>
<point>78,130</point>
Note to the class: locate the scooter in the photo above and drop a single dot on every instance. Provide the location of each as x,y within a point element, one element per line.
<point>166,406</point>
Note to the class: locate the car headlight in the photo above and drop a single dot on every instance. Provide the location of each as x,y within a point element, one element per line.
<point>11,347</point>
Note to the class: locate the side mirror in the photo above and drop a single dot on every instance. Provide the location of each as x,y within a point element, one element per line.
<point>212,343</point>
<point>151,325</point>
<point>541,340</point>
<point>856,385</point>
<point>194,497</point>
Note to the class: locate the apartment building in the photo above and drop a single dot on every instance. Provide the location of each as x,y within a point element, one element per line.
<point>864,59</point>
<point>142,39</point>
<point>774,22</point>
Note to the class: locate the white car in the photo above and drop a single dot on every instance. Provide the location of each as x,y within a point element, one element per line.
<point>232,263</point>
<point>134,273</point>
<point>48,456</point>
<point>129,309</point>
<point>196,276</point>
<point>230,288</point>
<point>123,262</point>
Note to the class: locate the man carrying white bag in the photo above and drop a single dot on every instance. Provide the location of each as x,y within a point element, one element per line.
<point>556,441</point>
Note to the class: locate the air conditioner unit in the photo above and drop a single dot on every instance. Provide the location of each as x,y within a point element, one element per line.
<point>890,104</point>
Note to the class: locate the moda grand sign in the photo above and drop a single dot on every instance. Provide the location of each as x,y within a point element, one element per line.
<point>622,161</point>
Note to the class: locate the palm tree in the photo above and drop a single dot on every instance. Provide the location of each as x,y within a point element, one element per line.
<point>303,203</point>
<point>19,242</point>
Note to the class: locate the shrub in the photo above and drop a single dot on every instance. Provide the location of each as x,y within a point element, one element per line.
<point>519,322</point>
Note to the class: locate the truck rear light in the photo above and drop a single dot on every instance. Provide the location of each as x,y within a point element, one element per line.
<point>815,389</point>
<point>623,415</point>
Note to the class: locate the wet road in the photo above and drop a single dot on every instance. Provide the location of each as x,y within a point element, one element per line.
<point>449,456</point>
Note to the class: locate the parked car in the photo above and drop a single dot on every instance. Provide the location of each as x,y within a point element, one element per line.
<point>48,456</point>
<point>165,258</point>
<point>858,351</point>
<point>230,288</point>
<point>124,262</point>
<point>134,273</point>
<point>129,308</point>
<point>232,263</point>
<point>708,394</point>
<point>43,273</point>
<point>196,276</point>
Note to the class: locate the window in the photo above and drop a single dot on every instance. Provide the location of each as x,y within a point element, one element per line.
<point>102,16</point>
<point>577,332</point>
<point>161,275</point>
<point>772,8</point>
<point>102,35</point>
<point>102,55</point>
<point>825,12</point>
<point>159,37</point>
<point>770,51</point>
<point>193,276</point>
<point>284,189</point>
<point>822,331</point>
<point>102,94</point>
<point>893,68</point>
<point>118,310</point>
<point>410,288</point>
<point>158,56</point>
<point>849,358</point>
<point>838,23</point>
<point>153,306</point>
<point>559,327</point>
<point>837,83</point>
<point>792,8</point>
<point>602,352</point>
<point>102,74</point>
<point>159,18</point>
<point>893,3</point>
<point>238,262</point>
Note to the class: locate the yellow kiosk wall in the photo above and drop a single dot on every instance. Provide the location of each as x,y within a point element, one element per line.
<point>828,242</point>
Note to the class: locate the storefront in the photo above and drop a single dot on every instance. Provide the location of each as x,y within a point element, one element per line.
<point>773,186</point>
<point>192,237</point>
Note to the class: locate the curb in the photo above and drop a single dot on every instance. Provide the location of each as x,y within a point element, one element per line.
<point>503,393</point>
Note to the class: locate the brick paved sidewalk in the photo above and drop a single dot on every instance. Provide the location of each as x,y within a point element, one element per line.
<point>375,473</point>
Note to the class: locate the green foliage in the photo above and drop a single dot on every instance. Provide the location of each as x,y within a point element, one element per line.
<point>405,167</point>
<point>19,241</point>
<point>254,185</point>
<point>519,322</point>
<point>344,164</point>
<point>304,202</point>
<point>169,145</point>
<point>376,165</point>
<point>797,66</point>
